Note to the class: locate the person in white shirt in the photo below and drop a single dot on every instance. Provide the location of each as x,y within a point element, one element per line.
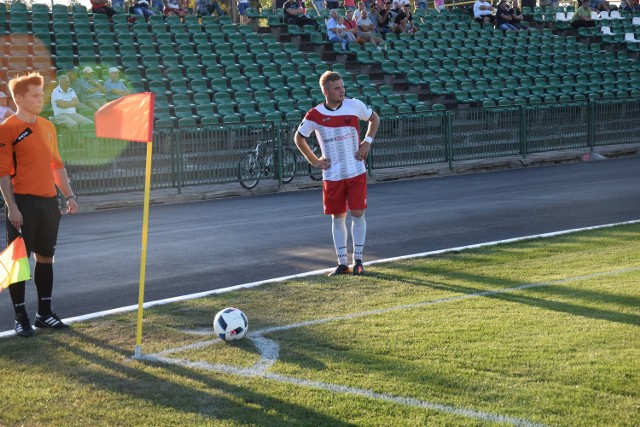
<point>358,13</point>
<point>367,30</point>
<point>483,12</point>
<point>336,123</point>
<point>64,101</point>
<point>4,110</point>
<point>337,32</point>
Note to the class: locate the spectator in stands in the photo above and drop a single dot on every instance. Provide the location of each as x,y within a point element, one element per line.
<point>358,12</point>
<point>207,7</point>
<point>437,5</point>
<point>630,5</point>
<point>337,32</point>
<point>349,5</point>
<point>114,86</point>
<point>243,5</point>
<point>582,16</point>
<point>367,30</point>
<point>63,102</point>
<point>504,18</point>
<point>72,73</point>
<point>175,8</point>
<point>398,6</point>
<point>141,7</point>
<point>516,15</point>
<point>100,6</point>
<point>599,5</point>
<point>384,19</point>
<point>158,4</point>
<point>351,24</point>
<point>5,111</point>
<point>483,12</point>
<point>332,4</point>
<point>91,90</point>
<point>404,21</point>
<point>373,15</point>
<point>293,14</point>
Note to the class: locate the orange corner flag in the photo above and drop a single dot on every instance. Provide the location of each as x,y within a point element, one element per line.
<point>14,264</point>
<point>129,118</point>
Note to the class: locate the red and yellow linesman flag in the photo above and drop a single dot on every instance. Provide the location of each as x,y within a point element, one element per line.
<point>129,118</point>
<point>14,264</point>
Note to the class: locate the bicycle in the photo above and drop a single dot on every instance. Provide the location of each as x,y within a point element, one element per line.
<point>261,162</point>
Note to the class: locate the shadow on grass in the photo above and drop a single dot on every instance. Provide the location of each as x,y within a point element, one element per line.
<point>553,289</point>
<point>121,376</point>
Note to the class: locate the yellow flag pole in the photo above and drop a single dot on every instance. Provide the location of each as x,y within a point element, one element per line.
<point>143,255</point>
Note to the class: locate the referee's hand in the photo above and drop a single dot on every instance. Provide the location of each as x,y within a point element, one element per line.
<point>15,218</point>
<point>72,206</point>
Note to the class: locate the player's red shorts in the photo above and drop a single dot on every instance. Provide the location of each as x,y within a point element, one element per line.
<point>349,193</point>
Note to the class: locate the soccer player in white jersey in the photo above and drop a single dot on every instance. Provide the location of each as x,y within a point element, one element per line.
<point>337,126</point>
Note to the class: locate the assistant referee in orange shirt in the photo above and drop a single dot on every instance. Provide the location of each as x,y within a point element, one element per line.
<point>30,171</point>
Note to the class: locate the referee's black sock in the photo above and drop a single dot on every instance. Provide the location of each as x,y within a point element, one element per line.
<point>17,291</point>
<point>43,278</point>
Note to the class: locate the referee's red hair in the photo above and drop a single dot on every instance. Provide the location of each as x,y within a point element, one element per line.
<point>20,85</point>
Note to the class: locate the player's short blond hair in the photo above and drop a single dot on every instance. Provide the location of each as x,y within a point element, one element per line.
<point>328,77</point>
<point>20,85</point>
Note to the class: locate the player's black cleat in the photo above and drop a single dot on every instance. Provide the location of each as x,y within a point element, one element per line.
<point>23,327</point>
<point>341,269</point>
<point>358,268</point>
<point>51,321</point>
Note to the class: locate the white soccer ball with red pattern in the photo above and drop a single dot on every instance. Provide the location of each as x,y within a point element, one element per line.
<point>230,324</point>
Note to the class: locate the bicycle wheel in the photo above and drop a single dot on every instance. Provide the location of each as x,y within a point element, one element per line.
<point>249,170</point>
<point>315,173</point>
<point>288,164</point>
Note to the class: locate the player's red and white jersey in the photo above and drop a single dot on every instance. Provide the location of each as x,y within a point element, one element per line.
<point>338,132</point>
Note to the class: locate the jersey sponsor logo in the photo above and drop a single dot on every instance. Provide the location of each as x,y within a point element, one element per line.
<point>25,133</point>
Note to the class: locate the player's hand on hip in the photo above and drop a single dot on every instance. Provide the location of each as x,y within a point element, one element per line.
<point>322,163</point>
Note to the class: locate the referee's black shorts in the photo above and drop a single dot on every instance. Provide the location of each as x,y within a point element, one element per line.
<point>40,222</point>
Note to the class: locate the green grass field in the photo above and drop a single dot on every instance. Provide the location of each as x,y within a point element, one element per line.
<point>541,332</point>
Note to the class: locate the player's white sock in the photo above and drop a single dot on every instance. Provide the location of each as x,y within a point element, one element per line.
<point>339,229</point>
<point>358,235</point>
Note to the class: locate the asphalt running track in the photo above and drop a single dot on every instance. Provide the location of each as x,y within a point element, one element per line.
<point>200,246</point>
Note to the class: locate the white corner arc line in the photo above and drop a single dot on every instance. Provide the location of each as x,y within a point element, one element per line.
<point>197,295</point>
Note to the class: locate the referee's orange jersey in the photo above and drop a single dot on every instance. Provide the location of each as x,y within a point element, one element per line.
<point>29,153</point>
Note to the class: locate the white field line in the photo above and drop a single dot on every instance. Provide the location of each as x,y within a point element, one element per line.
<point>270,352</point>
<point>187,297</point>
<point>336,388</point>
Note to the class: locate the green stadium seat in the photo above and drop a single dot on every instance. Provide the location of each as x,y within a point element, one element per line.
<point>280,95</point>
<point>231,119</point>
<point>210,121</point>
<point>201,86</point>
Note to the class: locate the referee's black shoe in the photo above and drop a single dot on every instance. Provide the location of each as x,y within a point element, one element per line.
<point>23,327</point>
<point>52,321</point>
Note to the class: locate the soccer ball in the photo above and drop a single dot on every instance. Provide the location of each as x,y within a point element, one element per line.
<point>230,324</point>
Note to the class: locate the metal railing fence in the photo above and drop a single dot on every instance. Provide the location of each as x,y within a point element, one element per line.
<point>210,154</point>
